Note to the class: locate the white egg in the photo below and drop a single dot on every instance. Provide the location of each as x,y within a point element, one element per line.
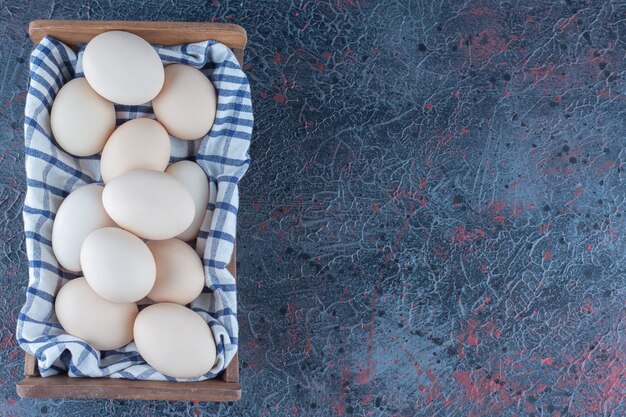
<point>117,265</point>
<point>187,104</point>
<point>195,180</point>
<point>123,68</point>
<point>99,322</point>
<point>179,272</point>
<point>81,121</point>
<point>80,214</point>
<point>151,204</point>
<point>137,144</point>
<point>175,340</point>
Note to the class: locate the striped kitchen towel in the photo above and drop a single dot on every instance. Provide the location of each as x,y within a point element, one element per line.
<point>51,174</point>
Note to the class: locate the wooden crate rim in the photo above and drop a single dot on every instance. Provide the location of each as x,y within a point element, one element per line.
<point>164,33</point>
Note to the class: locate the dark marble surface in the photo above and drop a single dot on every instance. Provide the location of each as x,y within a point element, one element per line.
<point>433,224</point>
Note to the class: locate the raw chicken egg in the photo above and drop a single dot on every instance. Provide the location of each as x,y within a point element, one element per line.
<point>81,121</point>
<point>187,104</point>
<point>179,272</point>
<point>79,214</point>
<point>195,180</point>
<point>151,204</point>
<point>117,265</point>
<point>175,340</point>
<point>123,68</point>
<point>101,323</point>
<point>137,144</point>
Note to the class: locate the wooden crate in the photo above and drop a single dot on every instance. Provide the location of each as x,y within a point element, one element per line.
<point>226,386</point>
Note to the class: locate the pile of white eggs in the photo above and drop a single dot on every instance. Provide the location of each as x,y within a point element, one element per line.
<point>131,237</point>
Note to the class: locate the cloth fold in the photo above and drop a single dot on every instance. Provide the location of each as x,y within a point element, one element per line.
<point>52,174</point>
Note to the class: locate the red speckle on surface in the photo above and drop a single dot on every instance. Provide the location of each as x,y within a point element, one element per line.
<point>547,361</point>
<point>487,46</point>
<point>431,376</point>
<point>464,131</point>
<point>319,66</point>
<point>588,308</point>
<point>540,71</point>
<point>465,379</point>
<point>277,214</point>
<point>307,346</point>
<point>291,312</point>
<point>13,354</point>
<point>326,55</point>
<point>567,22</point>
<point>589,248</point>
<point>480,389</point>
<point>480,11</point>
<point>544,228</point>
<point>376,207</point>
<point>345,385</point>
<point>16,97</point>
<point>428,106</point>
<point>345,4</point>
<point>497,206</point>
<point>413,360</point>
<point>578,191</point>
<point>277,58</point>
<point>462,235</point>
<point>365,373</point>
<point>492,329</point>
<point>469,335</point>
<point>445,138</point>
<point>280,98</point>
<point>548,255</point>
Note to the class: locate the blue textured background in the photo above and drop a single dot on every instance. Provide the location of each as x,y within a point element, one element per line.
<point>433,222</point>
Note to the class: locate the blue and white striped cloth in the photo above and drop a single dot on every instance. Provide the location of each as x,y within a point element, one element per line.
<point>52,174</point>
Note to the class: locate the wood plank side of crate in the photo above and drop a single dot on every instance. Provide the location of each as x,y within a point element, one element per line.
<point>231,373</point>
<point>62,386</point>
<point>73,32</point>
